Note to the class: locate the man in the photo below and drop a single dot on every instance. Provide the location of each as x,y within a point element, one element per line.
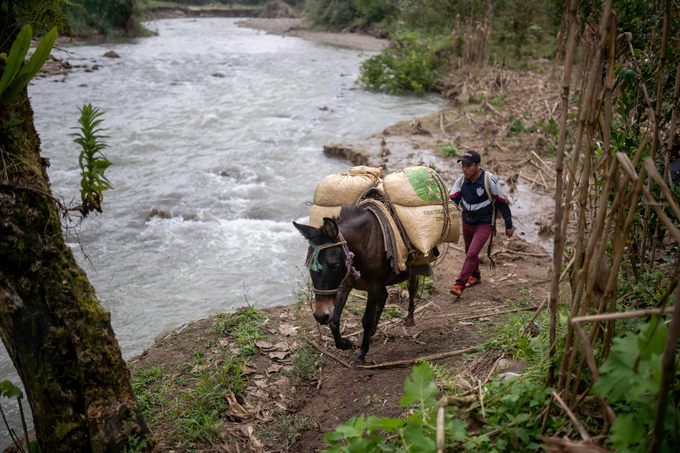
<point>470,192</point>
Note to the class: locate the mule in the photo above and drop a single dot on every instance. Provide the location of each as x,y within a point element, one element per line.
<point>348,252</point>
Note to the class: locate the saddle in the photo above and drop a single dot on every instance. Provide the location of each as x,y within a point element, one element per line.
<point>399,250</point>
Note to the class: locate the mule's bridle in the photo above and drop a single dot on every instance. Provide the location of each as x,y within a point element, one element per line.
<point>314,265</point>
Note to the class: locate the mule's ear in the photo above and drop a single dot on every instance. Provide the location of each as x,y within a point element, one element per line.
<point>305,230</point>
<point>330,228</point>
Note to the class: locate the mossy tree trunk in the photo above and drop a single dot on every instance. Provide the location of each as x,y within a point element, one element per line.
<point>58,335</point>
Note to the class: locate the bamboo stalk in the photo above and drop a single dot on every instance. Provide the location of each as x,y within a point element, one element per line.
<point>558,249</point>
<point>623,315</point>
<point>583,114</point>
<point>671,128</point>
<point>667,372</point>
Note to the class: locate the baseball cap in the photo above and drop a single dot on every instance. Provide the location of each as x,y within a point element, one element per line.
<point>470,157</point>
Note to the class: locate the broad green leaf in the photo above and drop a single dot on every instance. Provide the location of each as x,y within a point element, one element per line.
<point>34,447</point>
<point>627,430</point>
<point>386,424</point>
<point>416,439</point>
<point>28,71</point>
<point>16,56</point>
<point>41,53</point>
<point>458,429</point>
<point>9,390</point>
<point>420,387</point>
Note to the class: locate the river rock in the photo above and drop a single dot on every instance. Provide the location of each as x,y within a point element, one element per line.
<point>357,156</point>
<point>218,74</point>
<point>111,54</point>
<point>155,212</point>
<point>323,107</point>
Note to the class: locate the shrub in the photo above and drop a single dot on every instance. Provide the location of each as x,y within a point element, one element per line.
<point>411,67</point>
<point>331,13</point>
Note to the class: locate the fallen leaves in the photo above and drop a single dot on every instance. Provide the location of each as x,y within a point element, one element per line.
<point>288,330</point>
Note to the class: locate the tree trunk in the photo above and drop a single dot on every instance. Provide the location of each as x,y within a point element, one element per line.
<point>58,335</point>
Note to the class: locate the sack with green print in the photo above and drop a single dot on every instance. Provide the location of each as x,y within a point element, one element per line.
<point>420,199</point>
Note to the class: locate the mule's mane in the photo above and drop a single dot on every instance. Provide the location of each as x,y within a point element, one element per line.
<point>352,216</point>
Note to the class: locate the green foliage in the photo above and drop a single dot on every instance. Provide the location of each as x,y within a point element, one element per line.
<point>450,150</point>
<point>393,312</point>
<point>148,394</point>
<point>420,388</point>
<point>246,327</point>
<point>16,74</point>
<point>9,390</point>
<point>515,24</point>
<point>283,431</point>
<point>630,378</point>
<point>648,289</point>
<point>305,362</point>
<point>509,406</point>
<point>410,68</point>
<point>372,10</point>
<point>304,293</point>
<point>331,13</point>
<point>106,16</point>
<point>92,162</point>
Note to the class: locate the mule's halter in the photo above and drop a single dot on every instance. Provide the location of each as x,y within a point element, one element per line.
<point>314,265</point>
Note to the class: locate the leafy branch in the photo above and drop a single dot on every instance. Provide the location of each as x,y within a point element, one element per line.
<point>92,162</point>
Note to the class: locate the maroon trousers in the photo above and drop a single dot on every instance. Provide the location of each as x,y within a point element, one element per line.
<point>475,236</point>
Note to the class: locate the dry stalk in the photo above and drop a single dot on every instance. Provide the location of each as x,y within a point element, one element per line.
<point>668,370</point>
<point>559,168</point>
<point>655,142</point>
<point>593,79</point>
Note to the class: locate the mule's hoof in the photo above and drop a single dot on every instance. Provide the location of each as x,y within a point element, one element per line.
<point>409,322</point>
<point>344,344</point>
<point>357,363</point>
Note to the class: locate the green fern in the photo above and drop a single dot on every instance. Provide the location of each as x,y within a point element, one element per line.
<point>45,15</point>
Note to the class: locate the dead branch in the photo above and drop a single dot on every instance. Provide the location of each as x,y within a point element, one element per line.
<point>441,356</point>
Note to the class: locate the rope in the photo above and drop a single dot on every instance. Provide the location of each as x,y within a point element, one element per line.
<point>314,265</point>
<point>313,261</point>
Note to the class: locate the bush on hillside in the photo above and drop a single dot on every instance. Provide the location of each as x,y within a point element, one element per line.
<point>334,14</point>
<point>106,16</point>
<point>410,68</point>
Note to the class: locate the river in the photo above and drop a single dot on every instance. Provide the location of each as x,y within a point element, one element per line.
<point>220,127</point>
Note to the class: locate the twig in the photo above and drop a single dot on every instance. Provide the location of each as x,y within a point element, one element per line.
<point>588,351</point>
<point>538,312</point>
<point>329,354</point>
<point>540,173</point>
<point>481,316</point>
<point>581,430</point>
<point>623,315</point>
<point>443,355</point>
<point>566,269</point>
<point>481,398</point>
<point>441,124</point>
<point>515,252</point>
<point>550,170</point>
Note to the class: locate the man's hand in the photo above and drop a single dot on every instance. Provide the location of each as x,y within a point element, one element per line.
<point>509,232</point>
